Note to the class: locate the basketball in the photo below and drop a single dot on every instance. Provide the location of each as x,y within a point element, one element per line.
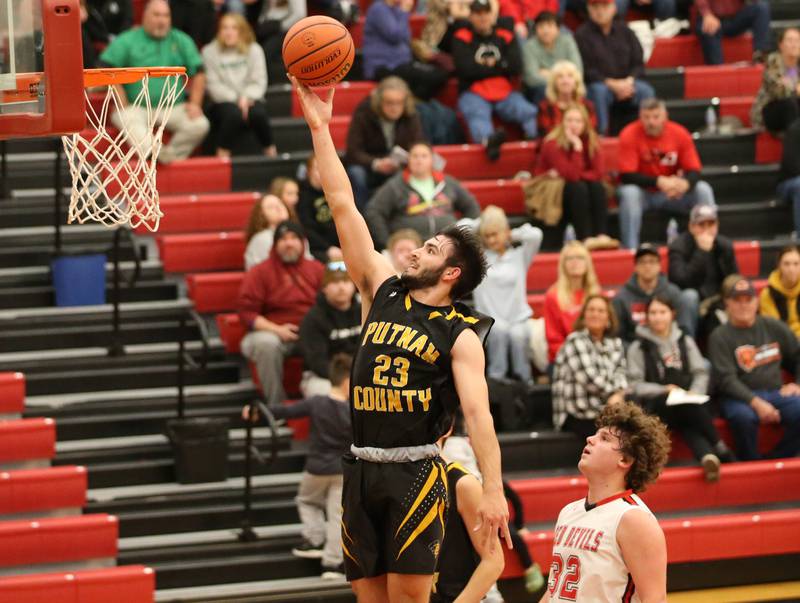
<point>318,51</point>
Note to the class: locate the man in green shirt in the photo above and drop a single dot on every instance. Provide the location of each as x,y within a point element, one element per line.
<point>157,44</point>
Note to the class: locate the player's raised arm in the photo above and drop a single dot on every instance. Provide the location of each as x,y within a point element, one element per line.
<point>367,267</point>
<point>468,373</point>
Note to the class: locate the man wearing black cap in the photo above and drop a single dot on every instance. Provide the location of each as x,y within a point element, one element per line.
<point>274,297</point>
<point>487,56</point>
<point>630,303</point>
<point>700,259</point>
<point>747,354</point>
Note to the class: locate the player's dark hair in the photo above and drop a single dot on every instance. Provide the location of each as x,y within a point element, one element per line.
<point>643,438</point>
<point>467,254</point>
<point>339,368</point>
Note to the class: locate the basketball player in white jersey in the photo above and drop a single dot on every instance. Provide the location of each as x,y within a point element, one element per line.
<point>608,546</point>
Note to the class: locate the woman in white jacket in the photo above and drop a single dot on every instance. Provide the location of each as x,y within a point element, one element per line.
<point>236,84</point>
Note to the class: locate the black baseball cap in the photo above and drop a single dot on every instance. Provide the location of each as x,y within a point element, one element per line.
<point>646,249</point>
<point>741,288</point>
<point>288,226</point>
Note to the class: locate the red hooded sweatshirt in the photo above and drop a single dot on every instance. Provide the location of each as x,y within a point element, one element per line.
<point>281,293</point>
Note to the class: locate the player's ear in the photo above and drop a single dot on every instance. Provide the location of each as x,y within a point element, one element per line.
<point>452,273</point>
<point>625,462</point>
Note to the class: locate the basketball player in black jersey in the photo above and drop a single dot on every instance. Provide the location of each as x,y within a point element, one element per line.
<point>421,355</point>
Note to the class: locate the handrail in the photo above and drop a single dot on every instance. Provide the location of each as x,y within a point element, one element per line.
<point>184,358</point>
<point>247,534</point>
<point>116,348</point>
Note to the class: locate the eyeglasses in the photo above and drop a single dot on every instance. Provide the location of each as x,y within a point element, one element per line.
<point>570,258</point>
<point>337,266</point>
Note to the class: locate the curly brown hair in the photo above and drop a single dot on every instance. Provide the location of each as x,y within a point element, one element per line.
<point>643,438</point>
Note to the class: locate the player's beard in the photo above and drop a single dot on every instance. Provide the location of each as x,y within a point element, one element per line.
<point>426,278</point>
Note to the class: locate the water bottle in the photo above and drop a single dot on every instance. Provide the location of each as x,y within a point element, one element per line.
<point>672,230</point>
<point>711,119</point>
<point>569,234</point>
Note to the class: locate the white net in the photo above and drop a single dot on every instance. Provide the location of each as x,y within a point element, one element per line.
<point>114,168</point>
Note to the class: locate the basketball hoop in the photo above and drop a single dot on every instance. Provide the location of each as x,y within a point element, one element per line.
<point>113,174</point>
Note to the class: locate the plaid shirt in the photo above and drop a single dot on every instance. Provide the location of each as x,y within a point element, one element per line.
<point>586,374</point>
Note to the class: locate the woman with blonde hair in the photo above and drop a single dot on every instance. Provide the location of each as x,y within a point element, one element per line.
<point>236,84</point>
<point>266,214</point>
<point>572,152</point>
<point>503,293</point>
<point>288,191</point>
<point>564,89</point>
<point>576,281</point>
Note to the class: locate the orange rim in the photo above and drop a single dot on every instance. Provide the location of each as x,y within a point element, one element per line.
<point>28,83</point>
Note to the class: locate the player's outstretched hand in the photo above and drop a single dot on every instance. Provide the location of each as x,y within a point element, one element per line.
<point>317,111</point>
<point>493,516</point>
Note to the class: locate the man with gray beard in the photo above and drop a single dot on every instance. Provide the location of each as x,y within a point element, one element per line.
<point>274,297</point>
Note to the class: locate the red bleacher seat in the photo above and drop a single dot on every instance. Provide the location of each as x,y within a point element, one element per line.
<point>58,540</point>
<point>768,148</point>
<point>339,126</point>
<point>231,331</point>
<point>12,393</point>
<point>27,439</point>
<point>721,80</point>
<point>201,252</point>
<point>126,584</point>
<point>198,213</point>
<point>469,161</point>
<point>37,490</point>
<point>769,435</point>
<point>506,194</point>
<point>214,292</point>
<point>737,106</point>
<point>195,175</point>
<point>348,96</point>
<point>681,51</point>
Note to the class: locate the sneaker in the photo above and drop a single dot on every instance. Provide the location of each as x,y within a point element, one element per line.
<point>710,464</point>
<point>497,138</point>
<point>534,580</point>
<point>306,550</point>
<point>333,572</point>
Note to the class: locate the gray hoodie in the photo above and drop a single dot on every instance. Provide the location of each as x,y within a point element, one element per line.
<point>232,75</point>
<point>670,354</point>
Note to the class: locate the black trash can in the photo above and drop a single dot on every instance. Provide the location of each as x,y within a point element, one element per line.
<point>200,447</point>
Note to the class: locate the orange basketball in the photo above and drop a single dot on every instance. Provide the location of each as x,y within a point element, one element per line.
<point>318,51</point>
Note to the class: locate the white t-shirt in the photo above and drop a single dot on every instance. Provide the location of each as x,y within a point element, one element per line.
<point>587,563</point>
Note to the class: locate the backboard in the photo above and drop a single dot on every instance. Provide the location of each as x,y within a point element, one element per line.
<point>41,68</point>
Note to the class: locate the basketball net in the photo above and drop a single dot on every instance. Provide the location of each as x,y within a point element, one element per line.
<point>114,172</point>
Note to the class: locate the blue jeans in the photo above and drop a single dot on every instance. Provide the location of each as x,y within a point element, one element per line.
<point>688,311</point>
<point>478,114</point>
<point>744,423</point>
<point>754,17</point>
<point>634,201</point>
<point>508,339</point>
<point>604,99</point>
<point>662,9</point>
<point>789,191</point>
<point>363,180</point>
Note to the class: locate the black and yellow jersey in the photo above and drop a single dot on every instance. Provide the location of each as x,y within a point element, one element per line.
<point>401,388</point>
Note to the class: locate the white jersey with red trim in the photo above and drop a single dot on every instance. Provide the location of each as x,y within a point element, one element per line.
<point>587,563</point>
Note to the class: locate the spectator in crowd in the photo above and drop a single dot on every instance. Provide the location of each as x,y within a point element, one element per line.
<point>659,169</point>
<point>274,18</point>
<point>613,64</point>
<point>154,44</point>
<point>542,52</point>
<point>196,18</point>
<point>661,9</point>
<point>266,214</point>
<point>564,299</point>
<point>777,103</point>
<point>274,297</point>
<point>332,326</point>
<point>503,293</point>
<point>399,247</point>
<point>564,89</point>
<point>630,302</point>
<point>288,191</point>
<point>662,359</point>
<point>747,355</point>
<point>319,497</point>
<point>590,369</point>
<point>387,49</point>
<point>418,198</point>
<point>572,152</point>
<point>780,299</point>
<point>789,172</point>
<point>315,216</point>
<point>486,57</point>
<point>525,12</point>
<point>718,18</point>
<point>434,43</point>
<point>699,260</point>
<point>116,15</point>
<point>384,120</point>
<point>237,82</point>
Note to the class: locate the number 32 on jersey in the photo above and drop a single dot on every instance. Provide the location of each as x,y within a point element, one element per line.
<point>565,577</point>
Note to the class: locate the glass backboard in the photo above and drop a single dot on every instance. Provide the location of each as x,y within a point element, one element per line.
<point>21,52</point>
